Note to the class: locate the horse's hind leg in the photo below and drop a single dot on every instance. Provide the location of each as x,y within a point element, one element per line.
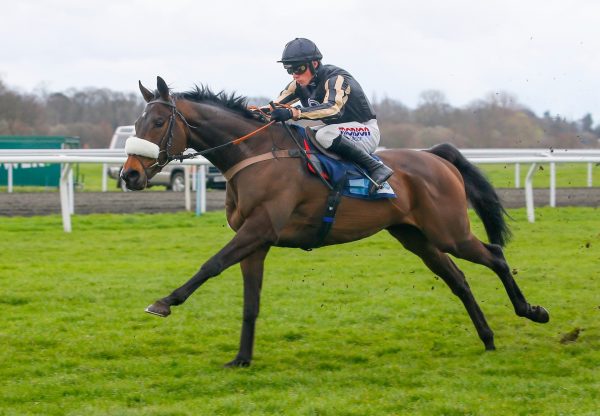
<point>439,263</point>
<point>491,256</point>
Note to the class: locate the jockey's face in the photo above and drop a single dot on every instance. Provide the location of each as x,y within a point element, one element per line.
<point>303,79</point>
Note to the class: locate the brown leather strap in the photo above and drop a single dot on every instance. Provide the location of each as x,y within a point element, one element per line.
<point>231,172</point>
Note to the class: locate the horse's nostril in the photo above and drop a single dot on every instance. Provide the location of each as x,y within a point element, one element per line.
<point>130,175</point>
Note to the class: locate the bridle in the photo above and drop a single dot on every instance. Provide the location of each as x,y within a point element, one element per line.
<point>168,137</point>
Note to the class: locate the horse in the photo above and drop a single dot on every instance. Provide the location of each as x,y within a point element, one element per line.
<point>272,200</point>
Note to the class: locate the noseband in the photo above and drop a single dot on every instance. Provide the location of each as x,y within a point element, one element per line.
<point>142,146</point>
<point>136,146</point>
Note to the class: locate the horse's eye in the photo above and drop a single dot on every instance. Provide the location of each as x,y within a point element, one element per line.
<point>159,122</point>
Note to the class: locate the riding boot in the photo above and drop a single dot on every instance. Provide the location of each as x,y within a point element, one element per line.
<point>375,168</point>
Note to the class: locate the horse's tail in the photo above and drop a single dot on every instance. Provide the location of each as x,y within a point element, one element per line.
<point>480,193</point>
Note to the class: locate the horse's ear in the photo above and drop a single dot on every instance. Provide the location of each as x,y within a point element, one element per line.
<point>148,95</point>
<point>163,89</point>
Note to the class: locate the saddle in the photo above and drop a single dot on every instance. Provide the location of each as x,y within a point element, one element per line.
<point>334,169</point>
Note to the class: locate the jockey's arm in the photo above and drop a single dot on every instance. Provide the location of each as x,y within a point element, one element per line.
<point>287,96</point>
<point>336,95</point>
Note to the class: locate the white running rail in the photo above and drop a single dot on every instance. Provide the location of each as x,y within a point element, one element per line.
<point>66,157</point>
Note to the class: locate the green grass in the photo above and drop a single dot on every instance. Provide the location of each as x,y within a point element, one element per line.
<point>358,329</point>
<point>568,175</point>
<point>90,176</point>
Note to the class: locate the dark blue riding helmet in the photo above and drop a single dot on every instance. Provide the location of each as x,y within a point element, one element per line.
<point>300,50</point>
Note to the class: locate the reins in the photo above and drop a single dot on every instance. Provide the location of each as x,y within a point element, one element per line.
<point>182,156</point>
<point>239,140</point>
<point>335,192</point>
<point>247,136</point>
<point>264,116</point>
<point>169,133</point>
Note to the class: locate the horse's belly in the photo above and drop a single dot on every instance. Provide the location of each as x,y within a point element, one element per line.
<point>355,220</point>
<point>298,234</point>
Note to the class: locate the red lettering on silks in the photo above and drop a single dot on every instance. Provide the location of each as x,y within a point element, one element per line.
<point>355,131</point>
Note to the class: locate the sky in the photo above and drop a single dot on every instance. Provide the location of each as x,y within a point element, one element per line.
<point>544,52</point>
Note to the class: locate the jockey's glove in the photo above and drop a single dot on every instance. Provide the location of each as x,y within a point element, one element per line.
<point>281,114</point>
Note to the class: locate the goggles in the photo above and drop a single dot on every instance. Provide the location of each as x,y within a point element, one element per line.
<point>296,69</point>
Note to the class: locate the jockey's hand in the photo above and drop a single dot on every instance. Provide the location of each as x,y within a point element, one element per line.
<point>281,114</point>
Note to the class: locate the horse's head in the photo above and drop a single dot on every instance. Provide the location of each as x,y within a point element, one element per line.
<point>160,134</point>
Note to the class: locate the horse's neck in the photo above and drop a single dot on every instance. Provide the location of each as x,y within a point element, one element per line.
<point>220,126</point>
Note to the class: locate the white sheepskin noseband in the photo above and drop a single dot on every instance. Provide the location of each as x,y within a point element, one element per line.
<point>136,146</point>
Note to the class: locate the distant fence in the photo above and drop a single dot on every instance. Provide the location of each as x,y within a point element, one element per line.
<point>544,153</point>
<point>34,174</point>
<point>67,157</point>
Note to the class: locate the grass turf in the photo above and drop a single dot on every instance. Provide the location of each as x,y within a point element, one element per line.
<point>358,329</point>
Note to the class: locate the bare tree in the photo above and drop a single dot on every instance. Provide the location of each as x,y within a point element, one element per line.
<point>497,120</point>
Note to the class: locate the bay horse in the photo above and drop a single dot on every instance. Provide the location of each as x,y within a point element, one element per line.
<point>272,200</point>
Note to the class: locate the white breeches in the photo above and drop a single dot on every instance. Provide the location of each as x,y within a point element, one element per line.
<point>365,134</point>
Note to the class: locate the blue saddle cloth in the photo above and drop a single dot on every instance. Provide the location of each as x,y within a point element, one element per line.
<point>357,184</point>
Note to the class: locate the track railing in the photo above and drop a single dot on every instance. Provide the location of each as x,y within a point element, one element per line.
<point>67,157</point>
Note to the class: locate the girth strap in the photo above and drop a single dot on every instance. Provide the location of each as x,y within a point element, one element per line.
<point>276,154</point>
<point>333,200</point>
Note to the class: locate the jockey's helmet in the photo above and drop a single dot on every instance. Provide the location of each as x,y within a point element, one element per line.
<point>300,50</point>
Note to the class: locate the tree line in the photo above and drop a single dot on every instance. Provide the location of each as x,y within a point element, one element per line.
<point>497,120</point>
<point>92,114</point>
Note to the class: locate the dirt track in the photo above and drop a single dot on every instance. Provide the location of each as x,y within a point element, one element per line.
<point>45,203</point>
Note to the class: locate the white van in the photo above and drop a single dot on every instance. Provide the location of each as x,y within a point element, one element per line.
<point>171,176</point>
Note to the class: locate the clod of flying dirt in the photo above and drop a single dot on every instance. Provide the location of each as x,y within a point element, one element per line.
<point>571,336</point>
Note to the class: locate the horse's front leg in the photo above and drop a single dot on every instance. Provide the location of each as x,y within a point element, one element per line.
<point>256,233</point>
<point>252,270</point>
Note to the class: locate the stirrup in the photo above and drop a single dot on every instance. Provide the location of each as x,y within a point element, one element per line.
<point>378,183</point>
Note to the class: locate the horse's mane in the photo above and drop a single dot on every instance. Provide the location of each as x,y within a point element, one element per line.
<point>202,93</point>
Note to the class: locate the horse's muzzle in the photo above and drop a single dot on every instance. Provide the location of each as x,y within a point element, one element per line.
<point>133,179</point>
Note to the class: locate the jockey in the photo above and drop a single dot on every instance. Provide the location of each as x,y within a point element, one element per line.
<point>331,95</point>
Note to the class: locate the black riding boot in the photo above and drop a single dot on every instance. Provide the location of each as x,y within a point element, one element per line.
<point>350,151</point>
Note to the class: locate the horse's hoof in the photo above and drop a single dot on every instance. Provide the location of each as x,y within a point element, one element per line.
<point>539,314</point>
<point>159,308</point>
<point>237,362</point>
